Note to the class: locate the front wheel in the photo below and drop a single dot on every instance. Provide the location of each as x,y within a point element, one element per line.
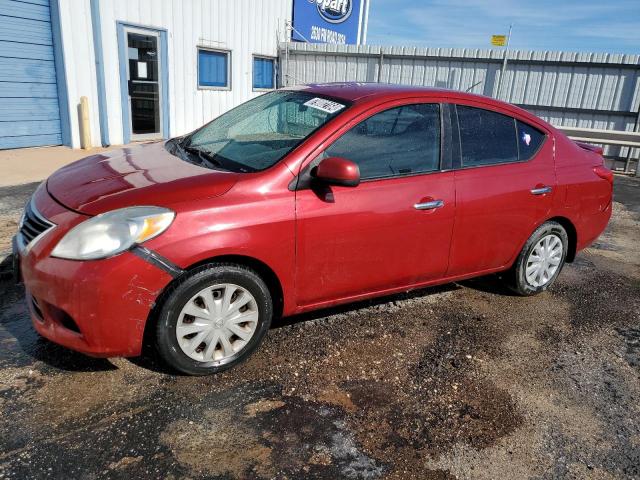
<point>540,260</point>
<point>213,319</point>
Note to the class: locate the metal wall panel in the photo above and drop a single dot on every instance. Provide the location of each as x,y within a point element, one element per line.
<point>29,111</point>
<point>590,90</point>
<point>244,27</point>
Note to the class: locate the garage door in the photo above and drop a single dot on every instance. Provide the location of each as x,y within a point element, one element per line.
<point>29,111</point>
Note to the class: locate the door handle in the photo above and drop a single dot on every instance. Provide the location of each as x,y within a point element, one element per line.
<point>429,205</point>
<point>541,190</point>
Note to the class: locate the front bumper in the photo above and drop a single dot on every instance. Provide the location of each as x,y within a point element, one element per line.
<point>97,307</point>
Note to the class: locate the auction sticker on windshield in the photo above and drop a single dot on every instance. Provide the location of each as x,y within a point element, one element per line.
<point>324,105</point>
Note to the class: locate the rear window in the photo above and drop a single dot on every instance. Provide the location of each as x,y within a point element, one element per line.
<point>529,140</point>
<point>486,137</point>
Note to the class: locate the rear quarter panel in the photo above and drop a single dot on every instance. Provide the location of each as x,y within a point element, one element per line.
<point>583,197</point>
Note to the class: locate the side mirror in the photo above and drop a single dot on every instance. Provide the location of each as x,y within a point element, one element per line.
<point>338,171</point>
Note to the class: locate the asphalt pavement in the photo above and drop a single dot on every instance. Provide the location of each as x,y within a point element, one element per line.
<point>459,381</point>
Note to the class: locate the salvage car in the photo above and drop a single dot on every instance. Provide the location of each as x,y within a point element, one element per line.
<point>300,199</point>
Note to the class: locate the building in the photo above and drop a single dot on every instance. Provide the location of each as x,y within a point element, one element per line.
<point>149,68</point>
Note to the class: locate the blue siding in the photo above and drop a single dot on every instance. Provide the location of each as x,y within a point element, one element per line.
<point>31,141</point>
<point>29,108</point>
<point>27,70</point>
<point>25,10</point>
<point>25,50</point>
<point>27,90</point>
<point>24,30</point>
<point>29,128</point>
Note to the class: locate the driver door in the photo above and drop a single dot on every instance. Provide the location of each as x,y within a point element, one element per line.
<point>386,232</point>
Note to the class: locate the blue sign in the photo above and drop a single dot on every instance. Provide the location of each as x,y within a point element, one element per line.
<point>327,21</point>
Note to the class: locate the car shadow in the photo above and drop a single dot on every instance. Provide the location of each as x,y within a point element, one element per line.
<point>493,284</point>
<point>351,307</point>
<point>30,347</point>
<point>149,360</point>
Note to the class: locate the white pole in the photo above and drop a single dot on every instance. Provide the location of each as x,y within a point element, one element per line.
<point>365,23</point>
<point>360,20</point>
<point>504,64</point>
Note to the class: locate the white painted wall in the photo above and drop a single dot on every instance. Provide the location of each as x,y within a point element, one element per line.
<point>246,27</point>
<point>77,40</point>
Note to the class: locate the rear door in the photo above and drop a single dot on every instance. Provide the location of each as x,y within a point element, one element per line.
<point>392,230</point>
<point>505,182</point>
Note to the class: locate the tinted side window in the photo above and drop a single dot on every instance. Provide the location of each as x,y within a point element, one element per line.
<point>398,141</point>
<point>529,140</point>
<point>486,137</point>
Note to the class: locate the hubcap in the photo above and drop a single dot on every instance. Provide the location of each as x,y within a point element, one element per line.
<point>544,260</point>
<point>217,322</point>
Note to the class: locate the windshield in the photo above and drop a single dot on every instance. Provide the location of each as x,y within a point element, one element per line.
<point>257,134</point>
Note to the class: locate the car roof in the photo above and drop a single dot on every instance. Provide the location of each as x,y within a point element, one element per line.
<point>354,91</point>
<point>359,91</point>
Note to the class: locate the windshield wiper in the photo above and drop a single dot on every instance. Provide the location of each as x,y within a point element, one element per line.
<point>206,158</point>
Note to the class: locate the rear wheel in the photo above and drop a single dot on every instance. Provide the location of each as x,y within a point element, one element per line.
<point>213,319</point>
<point>540,260</point>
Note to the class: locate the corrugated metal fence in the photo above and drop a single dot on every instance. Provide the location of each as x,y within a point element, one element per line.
<point>588,90</point>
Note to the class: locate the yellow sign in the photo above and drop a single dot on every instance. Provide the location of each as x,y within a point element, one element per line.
<point>498,40</point>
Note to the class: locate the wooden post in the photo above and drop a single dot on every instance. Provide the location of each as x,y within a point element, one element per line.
<point>85,131</point>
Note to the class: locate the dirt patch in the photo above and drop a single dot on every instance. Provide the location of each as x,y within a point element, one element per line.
<point>618,248</point>
<point>262,406</point>
<point>334,395</point>
<point>254,439</point>
<point>85,394</point>
<point>125,462</point>
<point>212,446</point>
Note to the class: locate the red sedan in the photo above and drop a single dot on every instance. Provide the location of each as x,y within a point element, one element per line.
<point>300,199</point>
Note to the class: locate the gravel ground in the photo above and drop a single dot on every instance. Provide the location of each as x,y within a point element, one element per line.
<point>459,381</point>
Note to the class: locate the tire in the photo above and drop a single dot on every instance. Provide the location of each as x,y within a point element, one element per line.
<point>205,292</point>
<point>531,282</point>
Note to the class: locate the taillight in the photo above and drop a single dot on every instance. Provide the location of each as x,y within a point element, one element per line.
<point>604,173</point>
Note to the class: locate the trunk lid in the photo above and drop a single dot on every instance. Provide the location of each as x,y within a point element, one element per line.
<point>590,147</point>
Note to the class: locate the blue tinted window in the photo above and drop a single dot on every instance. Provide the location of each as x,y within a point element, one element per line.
<point>400,141</point>
<point>486,137</point>
<point>263,70</point>
<point>213,68</point>
<point>529,140</point>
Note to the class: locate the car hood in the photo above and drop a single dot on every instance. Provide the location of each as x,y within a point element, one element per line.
<point>140,175</point>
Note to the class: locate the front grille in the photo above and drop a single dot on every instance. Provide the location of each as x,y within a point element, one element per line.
<point>33,224</point>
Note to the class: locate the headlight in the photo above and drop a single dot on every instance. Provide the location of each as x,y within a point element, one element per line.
<point>113,232</point>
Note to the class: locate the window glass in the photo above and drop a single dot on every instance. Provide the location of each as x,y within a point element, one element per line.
<point>263,72</point>
<point>399,141</point>
<point>486,137</point>
<point>258,133</point>
<point>213,68</point>
<point>529,140</point>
